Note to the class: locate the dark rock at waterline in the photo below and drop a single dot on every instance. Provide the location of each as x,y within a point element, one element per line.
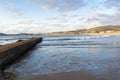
<point>9,76</point>
<point>19,40</point>
<point>10,52</point>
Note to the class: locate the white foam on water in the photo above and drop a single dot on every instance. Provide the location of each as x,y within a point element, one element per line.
<point>60,58</point>
<point>59,38</point>
<point>3,42</point>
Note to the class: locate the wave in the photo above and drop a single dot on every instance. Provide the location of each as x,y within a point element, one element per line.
<point>73,44</point>
<point>114,44</point>
<point>3,42</point>
<point>75,38</point>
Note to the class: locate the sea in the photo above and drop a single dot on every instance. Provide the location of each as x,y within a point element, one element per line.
<point>97,54</point>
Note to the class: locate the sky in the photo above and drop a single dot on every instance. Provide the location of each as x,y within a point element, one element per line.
<point>42,16</point>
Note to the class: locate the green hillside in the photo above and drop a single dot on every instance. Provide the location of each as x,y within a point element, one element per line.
<point>106,28</point>
<point>101,29</point>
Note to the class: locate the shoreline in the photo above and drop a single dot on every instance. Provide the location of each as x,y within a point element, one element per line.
<point>73,75</point>
<point>86,34</point>
<point>108,33</point>
<point>66,34</point>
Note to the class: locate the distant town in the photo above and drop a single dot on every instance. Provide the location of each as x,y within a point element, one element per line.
<point>110,29</point>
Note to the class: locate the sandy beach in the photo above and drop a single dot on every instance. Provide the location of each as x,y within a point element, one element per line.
<point>76,75</point>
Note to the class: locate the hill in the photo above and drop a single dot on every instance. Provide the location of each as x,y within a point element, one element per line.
<point>2,34</point>
<point>110,29</point>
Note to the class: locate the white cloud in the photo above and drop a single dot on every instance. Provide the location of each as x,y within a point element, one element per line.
<point>113,19</point>
<point>31,28</point>
<point>15,11</point>
<point>90,24</point>
<point>98,19</point>
<point>112,3</point>
<point>26,21</point>
<point>9,6</point>
<point>60,5</point>
<point>59,19</point>
<point>105,14</point>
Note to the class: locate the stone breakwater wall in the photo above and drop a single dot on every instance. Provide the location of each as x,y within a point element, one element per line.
<point>10,52</point>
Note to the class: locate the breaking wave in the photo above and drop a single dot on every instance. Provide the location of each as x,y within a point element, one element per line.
<point>3,42</point>
<point>75,38</point>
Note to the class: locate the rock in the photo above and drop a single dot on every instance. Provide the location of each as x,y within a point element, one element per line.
<point>9,76</point>
<point>11,52</point>
<point>19,40</point>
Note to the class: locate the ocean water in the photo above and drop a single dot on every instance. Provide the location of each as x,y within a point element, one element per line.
<point>98,54</point>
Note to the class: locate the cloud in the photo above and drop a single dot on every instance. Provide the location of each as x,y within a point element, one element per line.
<point>9,6</point>
<point>71,19</point>
<point>15,11</point>
<point>70,15</point>
<point>98,19</point>
<point>31,28</point>
<point>112,4</point>
<point>59,19</point>
<point>25,21</point>
<point>113,19</point>
<point>60,5</point>
<point>74,15</point>
<point>90,23</point>
<point>81,19</point>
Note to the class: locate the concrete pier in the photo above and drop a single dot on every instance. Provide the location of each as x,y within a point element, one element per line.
<point>10,52</point>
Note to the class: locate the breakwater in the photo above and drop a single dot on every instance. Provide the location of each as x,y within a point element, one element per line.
<point>10,52</point>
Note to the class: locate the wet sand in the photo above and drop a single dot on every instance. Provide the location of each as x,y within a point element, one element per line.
<point>76,75</point>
